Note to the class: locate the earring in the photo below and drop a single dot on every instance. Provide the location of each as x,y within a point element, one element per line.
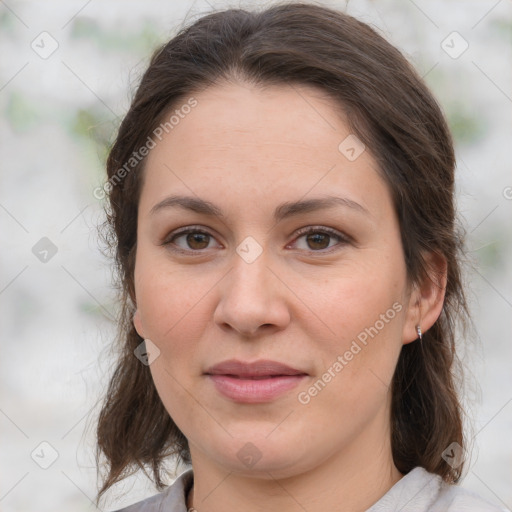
<point>418,330</point>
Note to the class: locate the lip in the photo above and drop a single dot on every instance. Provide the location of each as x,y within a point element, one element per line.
<point>260,368</point>
<point>256,382</point>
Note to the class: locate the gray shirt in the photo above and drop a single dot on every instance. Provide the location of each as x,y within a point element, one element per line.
<point>418,491</point>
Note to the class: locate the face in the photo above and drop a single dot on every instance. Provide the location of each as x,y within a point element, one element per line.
<point>320,288</point>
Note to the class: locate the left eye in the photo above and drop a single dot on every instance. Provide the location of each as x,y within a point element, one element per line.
<point>318,239</point>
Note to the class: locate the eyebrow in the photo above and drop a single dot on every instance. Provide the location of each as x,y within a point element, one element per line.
<point>283,211</point>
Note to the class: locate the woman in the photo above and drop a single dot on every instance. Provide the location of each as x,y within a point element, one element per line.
<point>281,198</point>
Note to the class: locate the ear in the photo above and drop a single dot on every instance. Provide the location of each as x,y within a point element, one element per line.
<point>427,298</point>
<point>138,324</point>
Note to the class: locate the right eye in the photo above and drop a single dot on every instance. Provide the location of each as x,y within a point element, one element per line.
<point>193,239</point>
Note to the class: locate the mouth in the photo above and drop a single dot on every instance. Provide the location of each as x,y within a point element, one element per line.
<point>257,382</point>
<point>263,368</point>
<point>253,377</point>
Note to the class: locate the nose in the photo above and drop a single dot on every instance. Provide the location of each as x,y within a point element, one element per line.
<point>253,299</point>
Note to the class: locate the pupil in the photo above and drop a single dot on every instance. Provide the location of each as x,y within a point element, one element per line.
<point>317,238</point>
<point>200,238</point>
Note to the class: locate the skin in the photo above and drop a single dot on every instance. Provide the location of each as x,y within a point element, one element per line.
<point>248,149</point>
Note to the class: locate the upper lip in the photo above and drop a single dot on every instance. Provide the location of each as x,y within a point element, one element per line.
<point>259,368</point>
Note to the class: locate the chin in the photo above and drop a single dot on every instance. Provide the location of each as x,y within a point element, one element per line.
<point>262,458</point>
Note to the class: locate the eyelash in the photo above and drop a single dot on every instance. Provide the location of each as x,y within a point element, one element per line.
<point>343,239</point>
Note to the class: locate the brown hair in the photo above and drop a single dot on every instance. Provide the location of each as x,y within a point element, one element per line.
<point>391,110</point>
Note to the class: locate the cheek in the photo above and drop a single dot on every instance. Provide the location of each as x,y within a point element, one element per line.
<point>364,312</point>
<point>355,301</point>
<point>165,296</point>
<point>173,315</point>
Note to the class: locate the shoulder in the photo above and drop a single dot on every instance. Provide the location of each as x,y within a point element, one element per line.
<point>173,499</point>
<point>457,499</point>
<point>421,491</point>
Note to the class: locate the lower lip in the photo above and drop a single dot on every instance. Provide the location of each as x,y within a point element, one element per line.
<point>254,390</point>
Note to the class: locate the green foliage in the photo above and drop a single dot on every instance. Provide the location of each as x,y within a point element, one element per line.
<point>491,255</point>
<point>21,113</point>
<point>502,27</point>
<point>140,42</point>
<point>94,125</point>
<point>466,127</point>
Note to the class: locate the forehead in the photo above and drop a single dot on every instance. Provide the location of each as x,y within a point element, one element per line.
<point>248,114</point>
<point>259,143</point>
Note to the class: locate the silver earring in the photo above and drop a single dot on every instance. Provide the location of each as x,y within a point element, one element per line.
<point>418,330</point>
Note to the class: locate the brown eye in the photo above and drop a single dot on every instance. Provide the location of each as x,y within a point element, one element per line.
<point>318,240</point>
<point>189,240</point>
<point>197,240</point>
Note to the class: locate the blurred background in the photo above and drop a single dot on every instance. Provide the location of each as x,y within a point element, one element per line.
<point>67,73</point>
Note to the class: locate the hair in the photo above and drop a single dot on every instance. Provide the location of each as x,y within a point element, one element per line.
<point>391,110</point>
